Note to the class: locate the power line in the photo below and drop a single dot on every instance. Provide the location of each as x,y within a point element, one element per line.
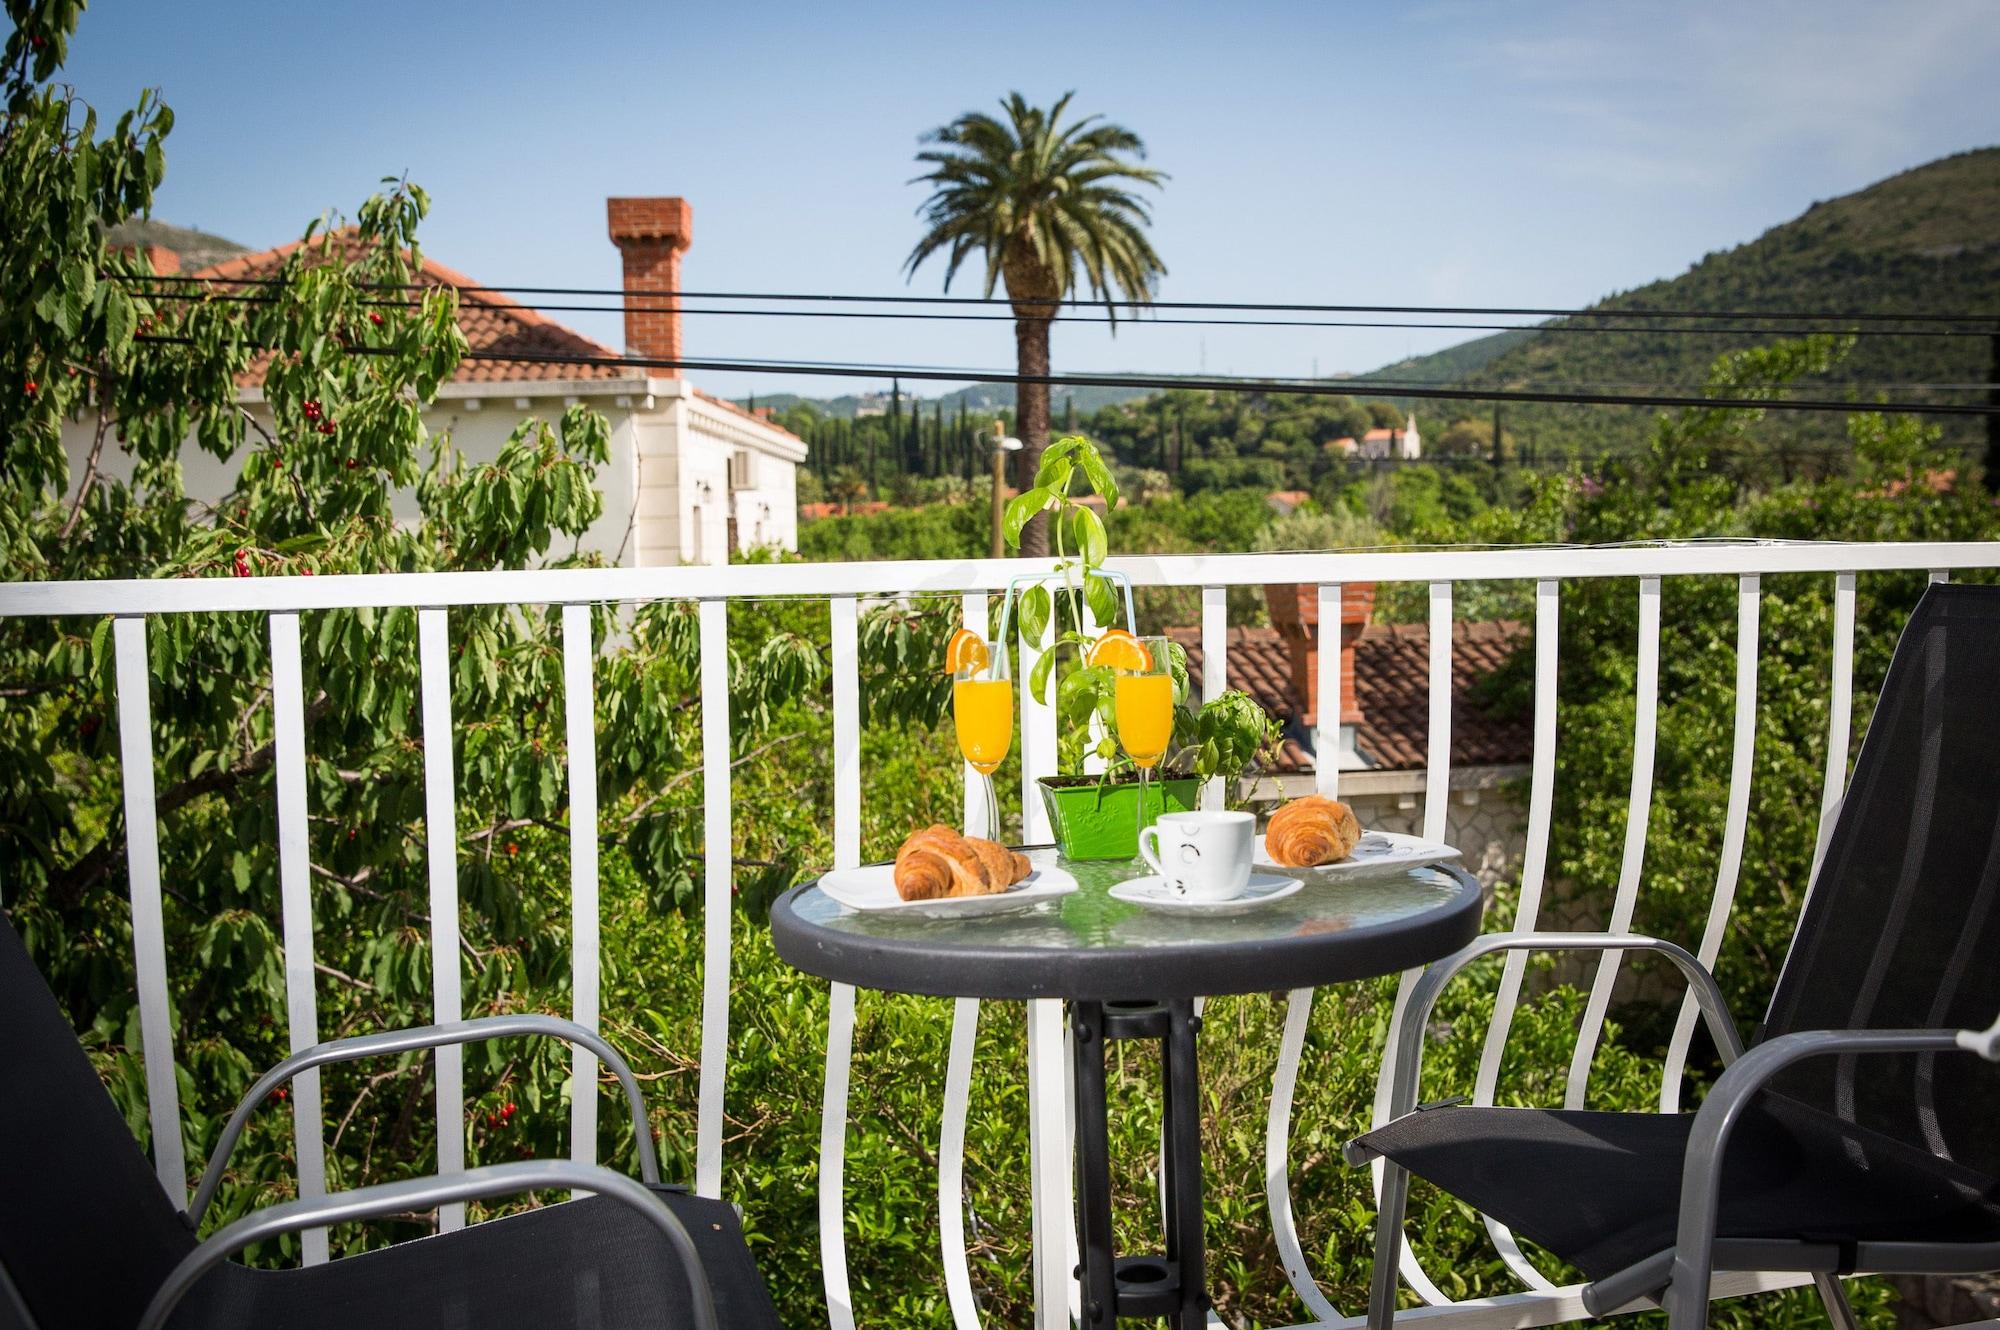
<point>1871,316</point>
<point>674,305</point>
<point>1210,383</point>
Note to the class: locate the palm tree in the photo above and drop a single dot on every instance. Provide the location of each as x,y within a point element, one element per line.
<point>1043,202</point>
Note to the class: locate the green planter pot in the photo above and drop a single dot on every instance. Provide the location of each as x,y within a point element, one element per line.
<point>1094,821</point>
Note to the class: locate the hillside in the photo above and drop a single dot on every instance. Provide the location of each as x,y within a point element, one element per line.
<point>197,249</point>
<point>1927,240</point>
<point>980,398</point>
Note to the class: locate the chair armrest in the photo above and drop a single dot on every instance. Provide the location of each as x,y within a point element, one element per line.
<point>1407,1067</point>
<point>422,1194</point>
<point>419,1038</point>
<point>1985,1042</point>
<point>1701,1173</point>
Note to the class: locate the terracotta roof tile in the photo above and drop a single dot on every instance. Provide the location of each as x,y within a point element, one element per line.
<point>492,322</point>
<point>1392,685</point>
<point>758,416</point>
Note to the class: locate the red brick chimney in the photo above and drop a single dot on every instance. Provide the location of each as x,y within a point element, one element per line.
<point>1295,614</point>
<point>650,235</point>
<point>165,261</point>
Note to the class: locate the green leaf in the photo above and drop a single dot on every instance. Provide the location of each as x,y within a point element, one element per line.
<point>1098,475</point>
<point>1091,542</point>
<point>1022,507</point>
<point>1054,474</point>
<point>1035,610</point>
<point>1102,598</point>
<point>1038,678</point>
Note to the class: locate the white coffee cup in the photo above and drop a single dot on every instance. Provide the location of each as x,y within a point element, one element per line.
<point>1201,856</point>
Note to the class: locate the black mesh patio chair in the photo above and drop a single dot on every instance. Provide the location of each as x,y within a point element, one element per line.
<point>88,1238</point>
<point>1861,1131</point>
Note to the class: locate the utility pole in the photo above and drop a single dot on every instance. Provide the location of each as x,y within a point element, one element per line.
<point>1002,445</point>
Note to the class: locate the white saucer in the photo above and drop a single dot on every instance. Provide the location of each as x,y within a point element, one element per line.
<point>1375,851</point>
<point>873,888</point>
<point>1153,893</point>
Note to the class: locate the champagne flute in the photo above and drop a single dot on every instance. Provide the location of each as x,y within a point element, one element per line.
<point>1143,699</point>
<point>982,707</point>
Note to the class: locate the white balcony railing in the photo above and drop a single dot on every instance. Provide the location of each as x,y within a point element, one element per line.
<point>844,587</point>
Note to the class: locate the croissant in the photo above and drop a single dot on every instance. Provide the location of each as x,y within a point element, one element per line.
<point>1311,831</point>
<point>938,862</point>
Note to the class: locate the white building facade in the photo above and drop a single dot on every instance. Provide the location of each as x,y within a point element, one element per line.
<point>691,477</point>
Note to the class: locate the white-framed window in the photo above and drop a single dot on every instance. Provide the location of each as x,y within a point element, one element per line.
<point>740,476</point>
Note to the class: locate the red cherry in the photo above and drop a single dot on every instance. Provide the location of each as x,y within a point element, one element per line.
<point>305,572</point>
<point>375,319</point>
<point>512,848</point>
<point>32,386</point>
<point>351,464</point>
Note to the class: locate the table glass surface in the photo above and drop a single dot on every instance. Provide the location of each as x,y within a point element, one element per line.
<point>1089,919</point>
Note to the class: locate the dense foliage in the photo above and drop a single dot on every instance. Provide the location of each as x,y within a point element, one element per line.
<point>85,338</point>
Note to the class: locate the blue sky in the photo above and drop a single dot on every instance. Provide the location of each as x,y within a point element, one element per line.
<point>1424,153</point>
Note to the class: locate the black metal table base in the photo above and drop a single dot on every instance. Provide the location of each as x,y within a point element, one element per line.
<point>1169,1285</point>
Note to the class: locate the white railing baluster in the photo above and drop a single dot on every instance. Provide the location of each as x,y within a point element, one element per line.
<point>1839,719</point>
<point>1326,737</point>
<point>1214,666</point>
<point>833,1158</point>
<point>1277,1151</point>
<point>958,1066</point>
<point>1534,865</point>
<point>1049,1167</point>
<point>972,608</point>
<point>295,904</point>
<point>1437,795</point>
<point>1638,813</point>
<point>1940,575</point>
<point>951,1163</point>
<point>1437,762</point>
<point>1298,1003</point>
<point>149,934</point>
<point>441,848</point>
<point>580,720</point>
<point>1038,744</point>
<point>840,1000</point>
<point>1735,818</point>
<point>717,910</point>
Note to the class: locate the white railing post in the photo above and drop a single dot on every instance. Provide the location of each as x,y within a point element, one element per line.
<point>580,722</point>
<point>441,848</point>
<point>1638,812</point>
<point>1534,864</point>
<point>1214,667</point>
<point>295,903</point>
<point>149,932</point>
<point>717,911</point>
<point>1736,816</point>
<point>1839,719</point>
<point>1298,1003</point>
<point>840,1000</point>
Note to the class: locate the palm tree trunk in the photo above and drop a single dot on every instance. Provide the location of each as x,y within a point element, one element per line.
<point>1031,404</point>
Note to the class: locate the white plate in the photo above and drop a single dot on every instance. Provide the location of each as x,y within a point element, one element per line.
<point>1154,894</point>
<point>1375,850</point>
<point>874,889</point>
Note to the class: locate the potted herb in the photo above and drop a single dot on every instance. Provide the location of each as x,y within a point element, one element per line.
<point>1099,816</point>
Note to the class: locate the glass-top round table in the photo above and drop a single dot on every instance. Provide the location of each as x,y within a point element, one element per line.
<point>1089,946</point>
<point>1129,972</point>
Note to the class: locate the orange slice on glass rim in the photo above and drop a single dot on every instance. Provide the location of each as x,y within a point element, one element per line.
<point>1119,650</point>
<point>965,651</point>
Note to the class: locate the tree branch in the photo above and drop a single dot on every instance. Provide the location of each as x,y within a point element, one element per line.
<point>89,475</point>
<point>67,885</point>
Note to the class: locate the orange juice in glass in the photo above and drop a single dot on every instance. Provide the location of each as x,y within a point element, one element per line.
<point>982,711</point>
<point>1142,696</point>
